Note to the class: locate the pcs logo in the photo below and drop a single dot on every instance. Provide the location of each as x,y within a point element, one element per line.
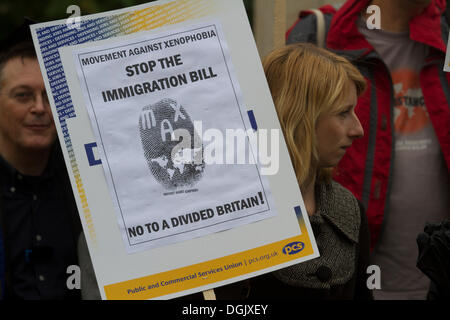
<point>293,248</point>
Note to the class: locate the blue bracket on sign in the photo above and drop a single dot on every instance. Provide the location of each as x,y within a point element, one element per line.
<point>90,154</point>
<point>298,211</point>
<point>251,117</point>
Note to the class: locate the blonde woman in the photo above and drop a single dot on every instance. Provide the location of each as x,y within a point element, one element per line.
<point>315,93</point>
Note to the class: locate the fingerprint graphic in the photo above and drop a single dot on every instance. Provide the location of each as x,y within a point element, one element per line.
<point>173,163</point>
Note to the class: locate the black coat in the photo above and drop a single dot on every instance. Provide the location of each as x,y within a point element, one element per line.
<point>57,162</point>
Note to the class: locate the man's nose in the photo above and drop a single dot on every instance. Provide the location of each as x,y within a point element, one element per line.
<point>40,103</point>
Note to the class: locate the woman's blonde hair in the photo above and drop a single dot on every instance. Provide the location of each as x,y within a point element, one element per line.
<point>306,82</point>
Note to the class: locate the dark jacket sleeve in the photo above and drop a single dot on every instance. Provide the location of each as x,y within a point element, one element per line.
<point>362,292</point>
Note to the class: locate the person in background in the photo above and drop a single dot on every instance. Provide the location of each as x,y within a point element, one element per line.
<point>315,94</point>
<point>39,222</point>
<point>400,169</point>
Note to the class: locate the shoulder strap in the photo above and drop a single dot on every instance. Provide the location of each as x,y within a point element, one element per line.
<point>320,27</point>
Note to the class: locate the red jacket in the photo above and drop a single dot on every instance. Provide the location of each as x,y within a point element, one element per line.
<point>366,168</point>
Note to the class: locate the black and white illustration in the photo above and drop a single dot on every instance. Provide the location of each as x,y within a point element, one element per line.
<point>173,163</point>
<point>160,106</point>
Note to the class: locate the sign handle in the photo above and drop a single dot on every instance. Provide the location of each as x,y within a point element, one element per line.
<point>209,294</point>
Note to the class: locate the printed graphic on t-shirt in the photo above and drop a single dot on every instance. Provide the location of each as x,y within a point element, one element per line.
<point>410,114</point>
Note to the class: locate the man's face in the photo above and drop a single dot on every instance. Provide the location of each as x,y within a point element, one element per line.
<point>25,117</point>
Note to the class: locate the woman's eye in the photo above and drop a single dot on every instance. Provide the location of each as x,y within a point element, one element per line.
<point>345,112</point>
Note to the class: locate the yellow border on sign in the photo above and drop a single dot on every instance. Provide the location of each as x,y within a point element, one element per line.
<point>209,272</point>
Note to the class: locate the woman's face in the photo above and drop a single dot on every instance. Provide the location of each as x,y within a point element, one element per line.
<point>335,132</point>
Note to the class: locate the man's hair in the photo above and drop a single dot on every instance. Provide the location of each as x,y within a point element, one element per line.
<point>21,50</point>
<point>307,82</point>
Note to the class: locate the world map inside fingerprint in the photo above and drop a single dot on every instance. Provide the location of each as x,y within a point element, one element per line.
<point>173,162</point>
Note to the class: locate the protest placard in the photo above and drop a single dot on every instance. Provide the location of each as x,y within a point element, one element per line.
<point>165,121</point>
